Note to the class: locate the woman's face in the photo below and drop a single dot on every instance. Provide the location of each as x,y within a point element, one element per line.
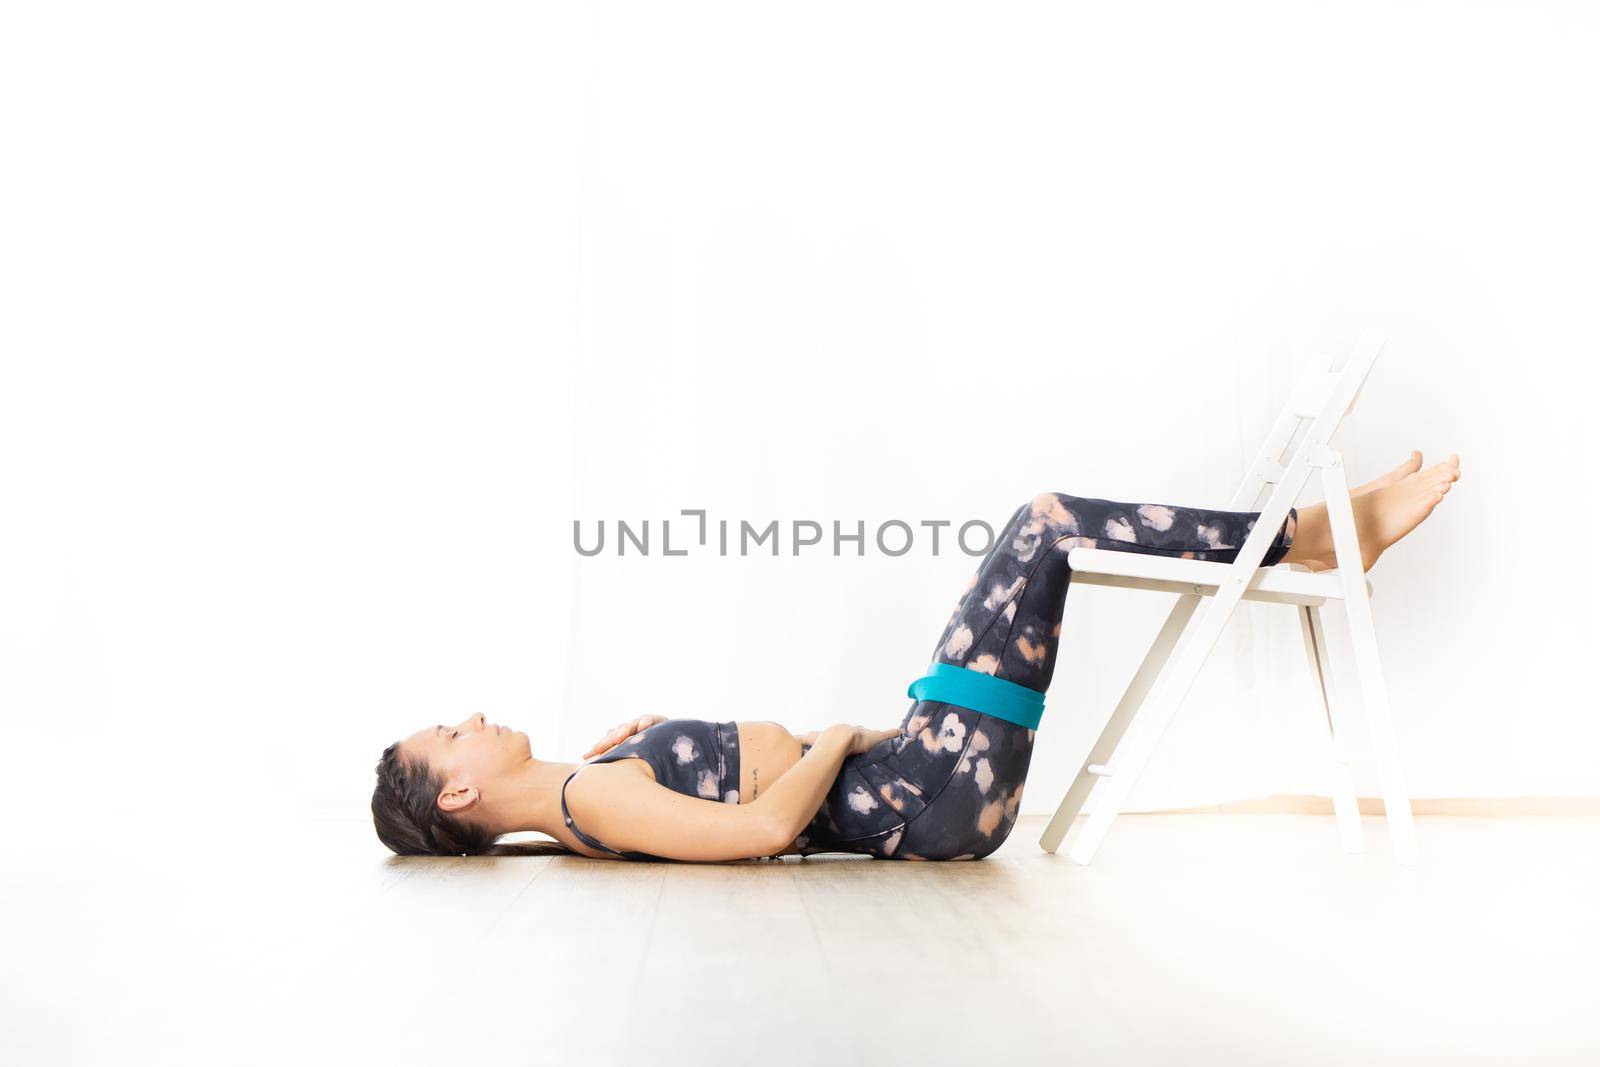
<point>471,756</point>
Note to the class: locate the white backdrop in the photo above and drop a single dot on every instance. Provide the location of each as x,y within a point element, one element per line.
<point>322,323</point>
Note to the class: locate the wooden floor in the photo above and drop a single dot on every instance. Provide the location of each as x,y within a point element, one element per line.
<point>1193,939</point>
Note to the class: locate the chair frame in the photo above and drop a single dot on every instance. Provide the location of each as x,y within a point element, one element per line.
<point>1108,772</point>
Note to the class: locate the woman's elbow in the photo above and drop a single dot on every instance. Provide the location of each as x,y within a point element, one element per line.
<point>770,835</point>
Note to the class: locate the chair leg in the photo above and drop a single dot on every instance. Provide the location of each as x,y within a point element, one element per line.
<point>1369,669</point>
<point>1127,708</point>
<point>1194,644</point>
<point>1341,787</point>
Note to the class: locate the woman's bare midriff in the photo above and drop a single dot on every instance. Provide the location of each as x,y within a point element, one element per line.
<point>766,750</point>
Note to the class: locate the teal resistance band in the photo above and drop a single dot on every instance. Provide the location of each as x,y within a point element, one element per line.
<point>966,688</point>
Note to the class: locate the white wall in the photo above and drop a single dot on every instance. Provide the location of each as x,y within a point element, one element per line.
<point>323,323</point>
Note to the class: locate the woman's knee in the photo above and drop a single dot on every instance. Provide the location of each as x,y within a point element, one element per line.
<point>1042,502</point>
<point>1054,509</point>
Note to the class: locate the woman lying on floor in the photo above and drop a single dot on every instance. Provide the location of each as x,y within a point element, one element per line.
<point>944,785</point>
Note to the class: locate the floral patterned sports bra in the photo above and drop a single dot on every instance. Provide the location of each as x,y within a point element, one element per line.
<point>689,756</point>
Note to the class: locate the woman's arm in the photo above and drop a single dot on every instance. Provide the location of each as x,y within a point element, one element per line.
<point>799,791</point>
<point>632,813</point>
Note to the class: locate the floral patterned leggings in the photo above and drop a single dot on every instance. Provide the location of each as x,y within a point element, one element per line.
<point>948,786</point>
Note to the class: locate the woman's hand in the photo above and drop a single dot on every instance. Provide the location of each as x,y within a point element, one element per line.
<point>861,739</point>
<point>621,732</point>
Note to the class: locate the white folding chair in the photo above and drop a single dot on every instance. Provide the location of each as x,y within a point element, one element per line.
<point>1318,403</point>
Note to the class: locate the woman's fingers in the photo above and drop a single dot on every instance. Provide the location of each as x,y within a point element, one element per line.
<point>643,722</point>
<point>867,740</point>
<point>622,731</point>
<point>610,740</point>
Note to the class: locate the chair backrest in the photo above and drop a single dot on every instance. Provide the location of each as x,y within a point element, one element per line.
<point>1318,403</point>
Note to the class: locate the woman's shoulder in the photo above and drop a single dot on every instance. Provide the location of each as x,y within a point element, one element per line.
<point>589,781</point>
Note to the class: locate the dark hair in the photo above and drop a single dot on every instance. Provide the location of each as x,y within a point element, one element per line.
<point>408,818</point>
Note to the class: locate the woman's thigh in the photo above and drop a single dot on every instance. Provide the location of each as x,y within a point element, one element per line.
<point>950,793</point>
<point>973,812</point>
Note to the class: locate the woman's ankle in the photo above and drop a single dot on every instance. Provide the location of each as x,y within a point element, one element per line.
<point>1313,541</point>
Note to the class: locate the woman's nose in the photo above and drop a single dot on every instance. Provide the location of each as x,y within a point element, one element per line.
<point>473,722</point>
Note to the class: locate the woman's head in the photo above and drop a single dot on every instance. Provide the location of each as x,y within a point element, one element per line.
<point>430,799</point>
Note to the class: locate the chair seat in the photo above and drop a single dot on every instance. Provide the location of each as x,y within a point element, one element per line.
<point>1286,583</point>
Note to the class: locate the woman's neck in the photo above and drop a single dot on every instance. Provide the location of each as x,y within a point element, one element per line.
<point>530,797</point>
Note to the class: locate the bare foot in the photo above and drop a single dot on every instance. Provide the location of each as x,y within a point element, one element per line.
<point>1407,466</point>
<point>1387,513</point>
